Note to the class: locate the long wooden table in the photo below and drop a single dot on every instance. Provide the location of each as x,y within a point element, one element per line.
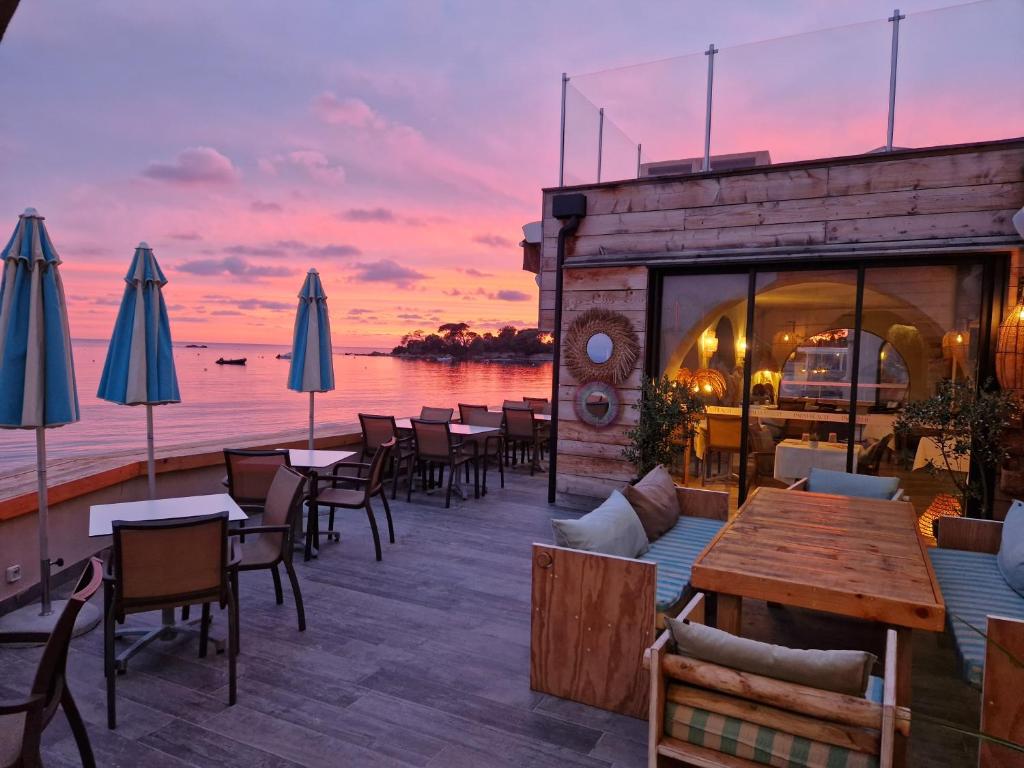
<point>861,558</point>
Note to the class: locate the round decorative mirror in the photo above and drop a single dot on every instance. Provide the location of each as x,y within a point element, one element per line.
<point>597,404</point>
<point>599,348</point>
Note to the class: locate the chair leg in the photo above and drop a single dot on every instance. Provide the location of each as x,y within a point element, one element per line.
<point>204,631</point>
<point>236,593</point>
<point>373,527</point>
<point>297,593</point>
<point>330,525</point>
<point>77,728</point>
<point>501,467</point>
<point>476,477</point>
<point>108,657</point>
<point>185,612</point>
<point>278,592</point>
<point>387,513</point>
<point>448,493</point>
<point>408,490</point>
<point>396,468</point>
<point>232,643</point>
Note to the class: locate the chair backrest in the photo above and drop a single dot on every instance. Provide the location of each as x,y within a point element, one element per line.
<point>436,414</point>
<point>433,438</point>
<point>250,473</point>
<point>847,484</point>
<point>538,404</point>
<point>377,430</point>
<point>468,413</point>
<point>164,563</point>
<point>516,405</point>
<point>284,502</point>
<point>49,678</point>
<point>724,432</point>
<point>377,465</point>
<point>872,457</point>
<point>519,423</point>
<point>794,429</point>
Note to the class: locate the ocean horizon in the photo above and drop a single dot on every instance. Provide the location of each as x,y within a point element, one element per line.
<point>242,401</point>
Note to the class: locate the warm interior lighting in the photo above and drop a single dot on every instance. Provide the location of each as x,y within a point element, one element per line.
<point>943,505</point>
<point>708,382</point>
<point>741,345</point>
<point>710,342</point>
<point>1010,350</point>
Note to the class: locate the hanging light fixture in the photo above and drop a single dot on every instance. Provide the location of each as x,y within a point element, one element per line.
<point>709,342</point>
<point>1010,344</point>
<point>707,382</point>
<point>953,343</point>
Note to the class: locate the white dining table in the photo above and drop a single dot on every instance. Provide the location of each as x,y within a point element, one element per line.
<point>311,463</point>
<point>795,458</point>
<point>536,416</point>
<point>928,449</point>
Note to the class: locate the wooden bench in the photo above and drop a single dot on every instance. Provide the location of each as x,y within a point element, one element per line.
<point>986,621</point>
<point>764,714</point>
<point>594,615</point>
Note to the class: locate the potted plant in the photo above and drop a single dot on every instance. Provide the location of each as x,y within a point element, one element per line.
<point>669,415</point>
<point>966,422</point>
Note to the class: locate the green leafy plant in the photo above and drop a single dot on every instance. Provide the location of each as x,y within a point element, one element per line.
<point>966,422</point>
<point>669,415</point>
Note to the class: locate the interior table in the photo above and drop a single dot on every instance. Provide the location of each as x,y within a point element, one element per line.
<point>861,558</point>
<point>311,463</point>
<point>101,520</point>
<point>930,450</point>
<point>794,458</point>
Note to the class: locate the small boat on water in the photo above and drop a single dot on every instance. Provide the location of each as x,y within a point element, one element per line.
<point>444,359</point>
<point>284,356</point>
<point>195,346</point>
<point>230,361</point>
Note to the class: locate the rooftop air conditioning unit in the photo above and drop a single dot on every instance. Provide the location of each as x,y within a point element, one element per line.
<point>690,165</point>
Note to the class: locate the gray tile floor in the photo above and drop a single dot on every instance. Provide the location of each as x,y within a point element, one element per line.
<point>420,660</point>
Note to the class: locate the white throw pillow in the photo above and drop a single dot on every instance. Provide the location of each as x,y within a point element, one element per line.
<point>611,529</point>
<point>1011,548</point>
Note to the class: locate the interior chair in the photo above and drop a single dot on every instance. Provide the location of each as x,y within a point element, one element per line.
<point>792,404</point>
<point>493,445</point>
<point>716,716</point>
<point>436,414</point>
<point>437,447</point>
<point>523,432</point>
<point>162,564</point>
<point>761,458</point>
<point>795,429</point>
<point>339,497</point>
<point>274,538</point>
<point>870,460</point>
<point>378,430</point>
<point>22,722</point>
<point>723,437</point>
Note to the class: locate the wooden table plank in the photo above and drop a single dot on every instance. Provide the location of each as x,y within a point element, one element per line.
<point>862,558</point>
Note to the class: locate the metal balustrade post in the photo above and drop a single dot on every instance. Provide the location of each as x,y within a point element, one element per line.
<point>638,163</point>
<point>710,53</point>
<point>893,60</point>
<point>561,143</point>
<point>600,141</point>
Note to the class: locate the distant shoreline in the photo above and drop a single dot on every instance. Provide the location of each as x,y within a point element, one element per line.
<point>538,358</point>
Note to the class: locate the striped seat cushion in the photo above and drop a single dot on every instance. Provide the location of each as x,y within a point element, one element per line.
<point>758,743</point>
<point>675,552</point>
<point>973,589</point>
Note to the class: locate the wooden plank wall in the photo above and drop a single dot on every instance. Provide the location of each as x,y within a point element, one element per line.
<point>917,199</point>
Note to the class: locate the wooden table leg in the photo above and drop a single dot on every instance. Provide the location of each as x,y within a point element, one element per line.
<point>904,682</point>
<point>729,613</point>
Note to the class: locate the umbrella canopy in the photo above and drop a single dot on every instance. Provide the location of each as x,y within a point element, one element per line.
<point>139,369</point>
<point>312,366</point>
<point>140,363</point>
<point>37,375</point>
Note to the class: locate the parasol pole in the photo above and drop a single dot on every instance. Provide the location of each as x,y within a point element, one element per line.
<point>150,458</point>
<point>44,539</point>
<point>311,421</point>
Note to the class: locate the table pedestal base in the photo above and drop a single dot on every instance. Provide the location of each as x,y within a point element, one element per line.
<point>168,630</point>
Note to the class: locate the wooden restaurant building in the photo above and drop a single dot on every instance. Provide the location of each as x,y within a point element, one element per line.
<point>806,299</point>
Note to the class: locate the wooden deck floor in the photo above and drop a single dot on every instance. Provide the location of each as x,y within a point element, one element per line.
<point>421,660</point>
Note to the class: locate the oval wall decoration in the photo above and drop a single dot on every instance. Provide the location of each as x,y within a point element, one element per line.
<point>597,404</point>
<point>601,345</point>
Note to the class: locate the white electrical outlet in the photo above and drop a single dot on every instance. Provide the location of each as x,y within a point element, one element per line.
<point>13,574</point>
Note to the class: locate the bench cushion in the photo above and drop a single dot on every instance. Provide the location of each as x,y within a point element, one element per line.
<point>846,484</point>
<point>973,589</point>
<point>758,743</point>
<point>611,529</point>
<point>675,552</point>
<point>1011,548</point>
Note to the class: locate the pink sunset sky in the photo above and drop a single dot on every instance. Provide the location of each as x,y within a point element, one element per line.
<point>398,147</point>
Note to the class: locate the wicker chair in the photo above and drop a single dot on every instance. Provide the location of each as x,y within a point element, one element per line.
<point>436,414</point>
<point>162,564</point>
<point>436,447</point>
<point>522,431</point>
<point>493,444</point>
<point>339,497</point>
<point>275,536</point>
<point>22,722</point>
<point>378,430</point>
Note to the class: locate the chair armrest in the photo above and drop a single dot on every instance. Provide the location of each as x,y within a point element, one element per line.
<point>700,502</point>
<point>262,529</point>
<point>345,464</point>
<point>33,703</point>
<point>898,495</point>
<point>27,638</point>
<point>969,534</point>
<point>799,485</point>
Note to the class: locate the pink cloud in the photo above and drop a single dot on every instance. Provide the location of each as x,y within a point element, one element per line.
<point>312,164</point>
<point>195,165</point>
<point>351,112</point>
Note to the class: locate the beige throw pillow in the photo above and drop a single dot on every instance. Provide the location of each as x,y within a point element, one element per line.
<point>611,529</point>
<point>840,671</point>
<point>655,502</point>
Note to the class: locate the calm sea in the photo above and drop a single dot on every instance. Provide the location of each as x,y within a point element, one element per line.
<point>227,400</point>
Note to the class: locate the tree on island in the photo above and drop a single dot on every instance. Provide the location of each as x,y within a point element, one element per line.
<point>458,341</point>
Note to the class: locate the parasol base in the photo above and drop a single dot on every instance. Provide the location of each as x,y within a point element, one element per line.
<point>27,619</point>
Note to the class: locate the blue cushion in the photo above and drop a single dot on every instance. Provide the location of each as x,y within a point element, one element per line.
<point>1011,548</point>
<point>845,484</point>
<point>675,552</point>
<point>973,589</point>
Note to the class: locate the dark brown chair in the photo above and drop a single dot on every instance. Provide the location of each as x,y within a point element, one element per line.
<point>436,414</point>
<point>250,474</point>
<point>518,405</point>
<point>437,447</point>
<point>522,431</point>
<point>338,497</point>
<point>22,722</point>
<point>869,461</point>
<point>378,430</point>
<point>538,404</point>
<point>162,564</point>
<point>493,444</point>
<point>274,542</point>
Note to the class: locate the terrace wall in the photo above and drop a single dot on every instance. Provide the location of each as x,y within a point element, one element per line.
<point>955,199</point>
